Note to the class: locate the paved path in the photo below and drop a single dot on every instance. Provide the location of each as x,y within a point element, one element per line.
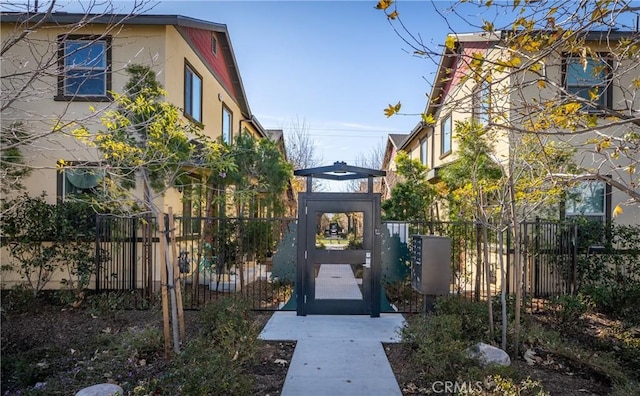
<point>337,355</point>
<point>336,281</point>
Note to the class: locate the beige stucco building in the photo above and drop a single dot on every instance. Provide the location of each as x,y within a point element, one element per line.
<point>58,72</point>
<point>510,98</point>
<point>46,88</point>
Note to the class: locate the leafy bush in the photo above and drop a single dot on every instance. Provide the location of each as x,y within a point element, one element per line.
<point>439,344</point>
<point>18,299</point>
<point>43,238</point>
<point>609,268</point>
<point>567,309</point>
<point>620,300</point>
<point>473,314</point>
<point>213,364</point>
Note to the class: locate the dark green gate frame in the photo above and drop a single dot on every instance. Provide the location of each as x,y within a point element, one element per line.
<point>367,202</point>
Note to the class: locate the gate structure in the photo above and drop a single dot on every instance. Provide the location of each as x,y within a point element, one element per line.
<point>339,242</point>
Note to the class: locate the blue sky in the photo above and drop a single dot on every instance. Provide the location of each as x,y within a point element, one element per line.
<point>335,65</point>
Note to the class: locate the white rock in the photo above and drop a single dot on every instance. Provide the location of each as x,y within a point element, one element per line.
<point>487,354</point>
<point>101,390</point>
<point>281,362</point>
<point>530,357</point>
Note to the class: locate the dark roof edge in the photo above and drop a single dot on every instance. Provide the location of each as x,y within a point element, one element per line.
<point>416,130</point>
<point>108,19</point>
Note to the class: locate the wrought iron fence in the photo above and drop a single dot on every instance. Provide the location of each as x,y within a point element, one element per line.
<point>124,256</point>
<point>220,256</point>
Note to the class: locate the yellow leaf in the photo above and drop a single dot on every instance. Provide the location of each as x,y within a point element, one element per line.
<point>384,4</point>
<point>60,163</point>
<point>535,67</point>
<point>393,15</point>
<point>636,82</point>
<point>450,42</point>
<point>487,26</point>
<point>542,84</point>
<point>428,119</point>
<point>617,211</point>
<point>391,110</point>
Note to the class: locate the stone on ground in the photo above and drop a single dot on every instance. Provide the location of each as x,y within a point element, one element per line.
<point>101,390</point>
<point>487,354</point>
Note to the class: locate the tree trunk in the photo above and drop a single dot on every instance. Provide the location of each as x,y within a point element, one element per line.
<point>517,262</point>
<point>503,290</point>
<point>487,271</point>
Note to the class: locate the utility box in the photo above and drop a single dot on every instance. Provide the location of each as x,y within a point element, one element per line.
<point>431,264</point>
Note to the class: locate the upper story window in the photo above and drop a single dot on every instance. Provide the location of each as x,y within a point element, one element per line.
<point>482,102</point>
<point>588,199</point>
<point>214,43</point>
<point>424,154</point>
<point>446,132</point>
<point>588,79</point>
<point>227,122</point>
<point>192,94</point>
<point>85,68</point>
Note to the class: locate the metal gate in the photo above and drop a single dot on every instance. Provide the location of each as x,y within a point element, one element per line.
<point>339,239</point>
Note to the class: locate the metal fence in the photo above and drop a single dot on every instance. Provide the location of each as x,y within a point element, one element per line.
<point>220,256</point>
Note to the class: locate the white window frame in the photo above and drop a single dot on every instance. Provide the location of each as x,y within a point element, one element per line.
<point>446,135</point>
<point>192,93</point>
<point>482,102</point>
<point>227,125</point>
<point>424,152</point>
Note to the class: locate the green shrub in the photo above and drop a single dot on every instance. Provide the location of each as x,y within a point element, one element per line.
<point>106,303</point>
<point>143,342</point>
<point>474,316</point>
<point>213,363</point>
<point>609,277</point>
<point>439,345</point>
<point>567,309</point>
<point>44,238</point>
<point>619,300</point>
<point>18,299</point>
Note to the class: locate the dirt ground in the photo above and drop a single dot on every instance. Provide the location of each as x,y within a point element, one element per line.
<point>559,379</point>
<point>60,346</point>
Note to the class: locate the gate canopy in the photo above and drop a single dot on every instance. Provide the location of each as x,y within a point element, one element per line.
<point>339,171</point>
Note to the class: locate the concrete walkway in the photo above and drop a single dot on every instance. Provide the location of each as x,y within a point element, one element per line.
<point>337,282</point>
<point>337,355</point>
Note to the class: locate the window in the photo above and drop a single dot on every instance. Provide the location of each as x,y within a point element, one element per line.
<point>588,81</point>
<point>78,180</point>
<point>192,94</point>
<point>424,157</point>
<point>482,102</point>
<point>446,131</point>
<point>85,68</point>
<point>588,199</point>
<point>227,122</point>
<point>214,43</point>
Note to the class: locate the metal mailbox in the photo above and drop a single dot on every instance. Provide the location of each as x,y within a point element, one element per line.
<point>431,264</point>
